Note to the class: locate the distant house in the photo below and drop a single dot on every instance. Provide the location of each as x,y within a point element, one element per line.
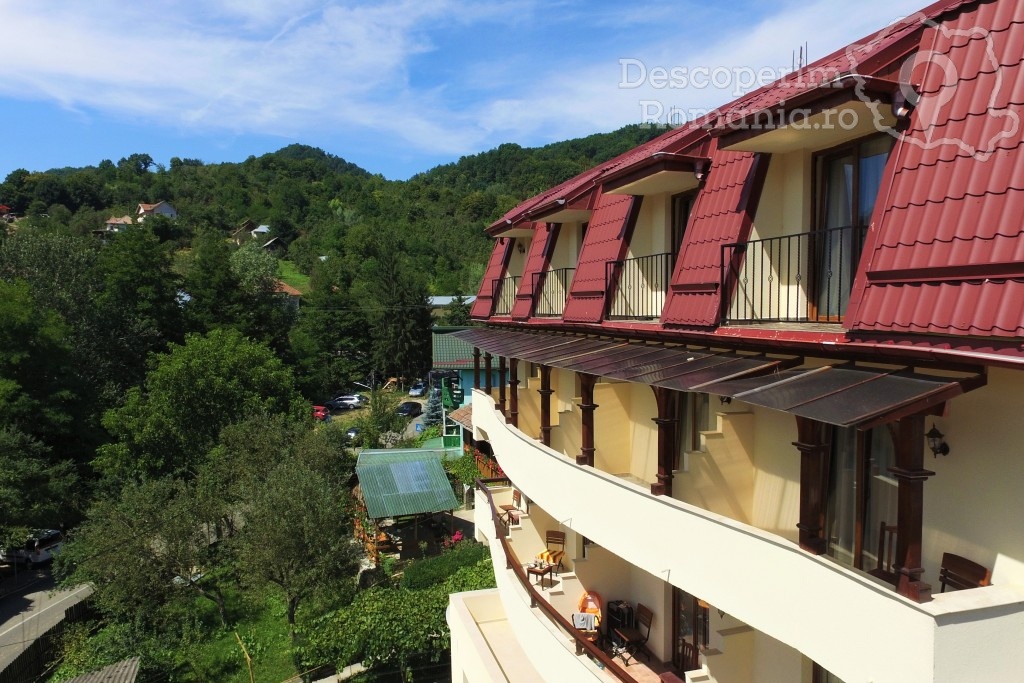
<point>260,231</point>
<point>275,246</point>
<point>113,225</point>
<point>246,227</point>
<point>288,294</point>
<point>160,208</point>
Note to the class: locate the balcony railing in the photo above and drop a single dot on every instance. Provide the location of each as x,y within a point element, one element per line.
<point>797,278</point>
<point>583,644</point>
<point>553,291</point>
<point>639,286</point>
<point>504,294</point>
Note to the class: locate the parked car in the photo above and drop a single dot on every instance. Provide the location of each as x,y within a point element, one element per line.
<point>40,548</point>
<point>321,413</point>
<point>353,434</point>
<point>418,389</point>
<point>346,402</point>
<point>410,409</point>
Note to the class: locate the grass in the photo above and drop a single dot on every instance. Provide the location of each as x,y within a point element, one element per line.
<point>290,275</point>
<point>263,630</point>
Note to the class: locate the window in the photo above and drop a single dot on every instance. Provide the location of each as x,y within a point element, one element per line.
<point>694,418</point>
<point>848,180</point>
<point>862,494</point>
<point>682,205</point>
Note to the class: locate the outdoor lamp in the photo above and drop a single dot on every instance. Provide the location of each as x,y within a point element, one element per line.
<point>935,442</point>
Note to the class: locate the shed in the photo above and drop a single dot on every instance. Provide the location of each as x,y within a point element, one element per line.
<point>403,482</point>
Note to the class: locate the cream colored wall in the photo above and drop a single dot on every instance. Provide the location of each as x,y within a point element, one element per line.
<point>612,427</point>
<point>653,227</point>
<point>517,262</point>
<point>529,405</point>
<point>776,494</point>
<point>721,479</point>
<point>784,209</point>
<point>644,439</point>
<point>567,246</point>
<point>656,593</point>
<point>974,506</point>
<point>829,613</point>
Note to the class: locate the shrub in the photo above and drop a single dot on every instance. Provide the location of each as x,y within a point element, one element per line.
<point>434,570</point>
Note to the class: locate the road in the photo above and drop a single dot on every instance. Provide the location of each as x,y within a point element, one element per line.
<point>28,612</point>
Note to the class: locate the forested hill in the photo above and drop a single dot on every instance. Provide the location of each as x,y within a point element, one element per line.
<point>318,203</point>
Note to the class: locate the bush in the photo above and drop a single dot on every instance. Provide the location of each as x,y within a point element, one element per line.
<point>434,570</point>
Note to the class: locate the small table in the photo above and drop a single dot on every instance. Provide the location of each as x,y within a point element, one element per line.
<point>543,571</point>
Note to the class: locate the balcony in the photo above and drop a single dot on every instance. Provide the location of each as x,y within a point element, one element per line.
<point>802,278</point>
<point>553,291</point>
<point>639,286</point>
<point>504,294</point>
<point>827,612</point>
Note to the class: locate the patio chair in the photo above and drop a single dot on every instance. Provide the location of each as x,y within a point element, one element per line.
<point>634,640</point>
<point>510,513</point>
<point>959,573</point>
<point>555,551</point>
<point>587,617</point>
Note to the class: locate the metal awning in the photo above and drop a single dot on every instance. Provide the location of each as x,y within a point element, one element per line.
<point>682,368</point>
<point>847,395</point>
<point>403,483</point>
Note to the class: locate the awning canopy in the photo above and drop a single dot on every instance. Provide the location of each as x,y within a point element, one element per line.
<point>846,395</point>
<point>682,368</point>
<point>403,483</point>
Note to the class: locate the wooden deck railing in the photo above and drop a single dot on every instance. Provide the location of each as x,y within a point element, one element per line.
<point>583,644</point>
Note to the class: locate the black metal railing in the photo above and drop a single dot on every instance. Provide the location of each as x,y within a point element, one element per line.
<point>584,645</point>
<point>504,294</point>
<point>553,291</point>
<point>805,277</point>
<point>638,286</point>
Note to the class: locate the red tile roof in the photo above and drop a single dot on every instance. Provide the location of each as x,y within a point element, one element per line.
<point>723,214</point>
<point>946,254</point>
<point>284,288</point>
<point>606,240</point>
<point>544,237</point>
<point>483,307</point>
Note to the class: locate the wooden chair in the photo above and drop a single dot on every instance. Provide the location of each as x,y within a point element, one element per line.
<point>959,573</point>
<point>634,640</point>
<point>886,555</point>
<point>510,513</point>
<point>555,552</point>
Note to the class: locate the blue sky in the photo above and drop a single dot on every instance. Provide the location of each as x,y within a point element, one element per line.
<point>396,86</point>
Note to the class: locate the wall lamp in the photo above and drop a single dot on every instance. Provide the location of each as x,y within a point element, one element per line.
<point>725,400</point>
<point>936,442</point>
<point>699,172</point>
<point>521,248</point>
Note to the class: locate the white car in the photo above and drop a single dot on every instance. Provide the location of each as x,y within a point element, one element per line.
<point>40,548</point>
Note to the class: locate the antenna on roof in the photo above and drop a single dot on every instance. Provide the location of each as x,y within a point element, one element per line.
<point>803,59</point>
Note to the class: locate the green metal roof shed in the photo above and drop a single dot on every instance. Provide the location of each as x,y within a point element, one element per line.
<point>398,483</point>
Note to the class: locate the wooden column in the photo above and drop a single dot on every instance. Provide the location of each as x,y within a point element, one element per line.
<point>488,386</point>
<point>500,405</point>
<point>513,384</point>
<point>476,367</point>
<point>587,406</point>
<point>815,445</point>
<point>545,392</point>
<point>667,421</point>
<point>910,475</point>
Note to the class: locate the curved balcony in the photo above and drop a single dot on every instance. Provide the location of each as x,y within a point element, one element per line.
<point>837,617</point>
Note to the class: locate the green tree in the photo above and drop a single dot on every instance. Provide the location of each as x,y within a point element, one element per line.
<point>456,313</point>
<point>167,425</point>
<point>297,535</point>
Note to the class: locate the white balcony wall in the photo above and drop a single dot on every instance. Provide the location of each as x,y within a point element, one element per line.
<point>832,615</point>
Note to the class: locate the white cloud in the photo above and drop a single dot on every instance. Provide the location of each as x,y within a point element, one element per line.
<point>262,66</point>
